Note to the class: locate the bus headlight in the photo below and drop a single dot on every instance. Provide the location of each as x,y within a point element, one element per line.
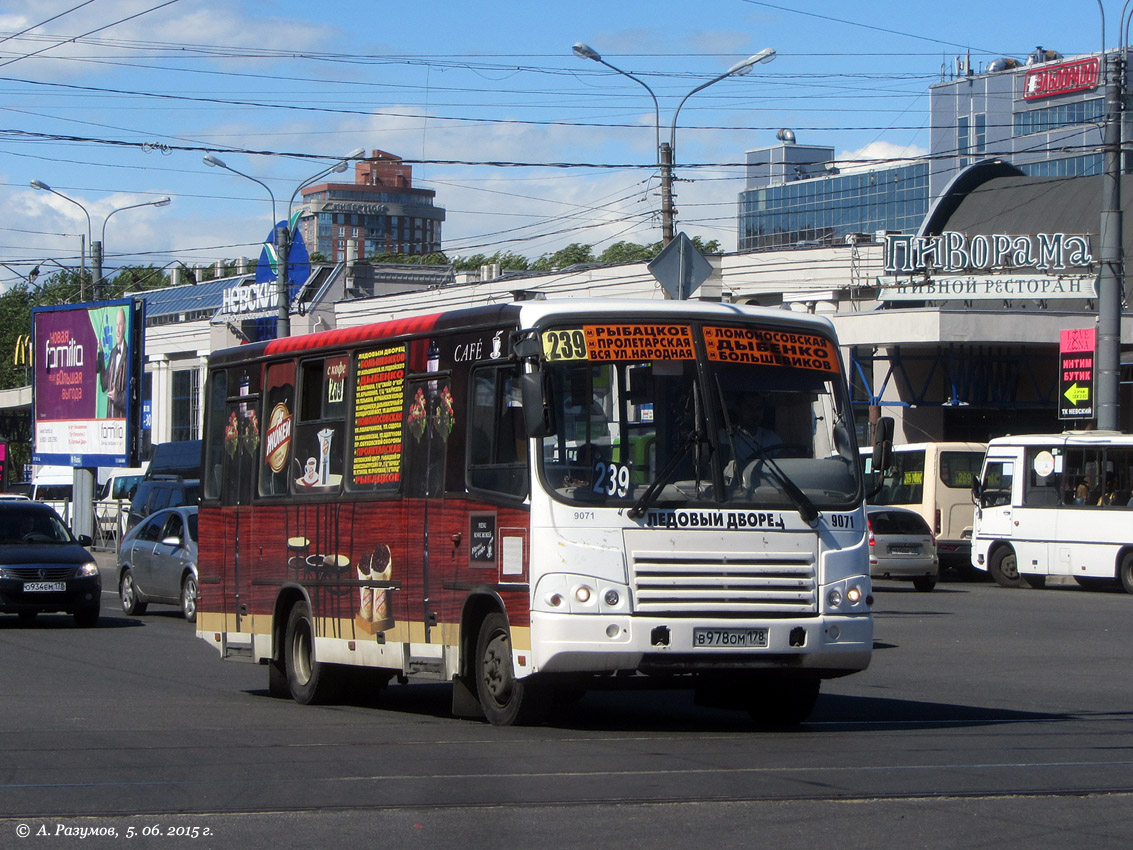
<point>849,596</point>
<point>563,593</point>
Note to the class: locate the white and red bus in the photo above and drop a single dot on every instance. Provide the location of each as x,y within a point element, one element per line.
<point>538,498</point>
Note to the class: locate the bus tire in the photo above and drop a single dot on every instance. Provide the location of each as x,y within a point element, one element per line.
<point>1003,566</point>
<point>506,700</point>
<point>310,681</point>
<point>1125,572</point>
<point>783,700</point>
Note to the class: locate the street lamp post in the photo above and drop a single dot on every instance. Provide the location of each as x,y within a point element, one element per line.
<point>281,235</point>
<point>43,187</point>
<point>97,247</point>
<point>665,151</point>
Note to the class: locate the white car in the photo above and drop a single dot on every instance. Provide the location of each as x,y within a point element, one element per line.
<point>901,546</point>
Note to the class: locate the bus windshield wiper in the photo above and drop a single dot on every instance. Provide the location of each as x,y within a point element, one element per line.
<point>655,486</point>
<point>802,501</point>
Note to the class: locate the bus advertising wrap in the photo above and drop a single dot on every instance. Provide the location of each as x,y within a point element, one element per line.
<point>84,364</point>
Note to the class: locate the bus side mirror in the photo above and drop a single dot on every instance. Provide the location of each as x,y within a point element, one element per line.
<point>883,444</point>
<point>538,411</point>
<point>882,457</point>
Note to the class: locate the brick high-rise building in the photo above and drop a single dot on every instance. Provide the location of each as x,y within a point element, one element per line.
<point>380,212</point>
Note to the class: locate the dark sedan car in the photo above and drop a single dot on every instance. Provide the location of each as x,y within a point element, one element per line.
<point>158,562</point>
<point>43,568</point>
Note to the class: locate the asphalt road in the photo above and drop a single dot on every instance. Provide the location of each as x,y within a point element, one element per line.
<point>989,718</point>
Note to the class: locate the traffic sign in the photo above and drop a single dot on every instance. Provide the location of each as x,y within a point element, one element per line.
<point>680,268</point>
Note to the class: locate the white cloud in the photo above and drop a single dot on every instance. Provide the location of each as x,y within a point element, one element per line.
<point>878,155</point>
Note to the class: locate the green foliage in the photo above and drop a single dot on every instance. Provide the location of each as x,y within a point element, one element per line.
<point>568,256</point>
<point>15,320</point>
<point>434,259</point>
<point>319,257</point>
<point>506,260</point>
<point>629,252</point>
<point>136,279</point>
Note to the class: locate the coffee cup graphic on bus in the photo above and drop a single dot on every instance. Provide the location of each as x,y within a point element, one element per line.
<point>325,436</point>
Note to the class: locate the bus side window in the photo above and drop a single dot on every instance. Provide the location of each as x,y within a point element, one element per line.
<point>278,420</point>
<point>318,452</point>
<point>497,445</point>
<point>213,458</point>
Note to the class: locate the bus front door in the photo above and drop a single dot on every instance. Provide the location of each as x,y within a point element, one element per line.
<point>997,499</point>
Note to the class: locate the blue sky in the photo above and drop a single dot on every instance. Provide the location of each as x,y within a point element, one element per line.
<point>115,102</point>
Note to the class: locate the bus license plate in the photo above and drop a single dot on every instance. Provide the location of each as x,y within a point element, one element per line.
<point>729,637</point>
<point>44,586</point>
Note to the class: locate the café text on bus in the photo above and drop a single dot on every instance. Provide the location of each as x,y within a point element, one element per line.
<point>536,499</point>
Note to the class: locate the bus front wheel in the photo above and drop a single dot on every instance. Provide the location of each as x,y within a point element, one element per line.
<point>783,701</point>
<point>506,700</point>
<point>1004,567</point>
<point>310,681</point>
<point>1125,572</point>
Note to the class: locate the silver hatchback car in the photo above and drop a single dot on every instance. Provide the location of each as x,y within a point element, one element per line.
<point>901,546</point>
<point>157,562</point>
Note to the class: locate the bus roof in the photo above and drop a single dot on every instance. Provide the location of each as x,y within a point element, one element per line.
<point>1068,438</point>
<point>525,314</point>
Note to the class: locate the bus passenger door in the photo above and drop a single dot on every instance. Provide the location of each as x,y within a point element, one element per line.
<point>239,476</point>
<point>428,424</point>
<point>997,499</point>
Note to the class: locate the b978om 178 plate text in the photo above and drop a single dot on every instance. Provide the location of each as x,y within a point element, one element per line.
<point>729,637</point>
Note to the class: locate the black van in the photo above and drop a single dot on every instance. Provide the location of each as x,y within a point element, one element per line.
<point>167,491</point>
<point>172,479</point>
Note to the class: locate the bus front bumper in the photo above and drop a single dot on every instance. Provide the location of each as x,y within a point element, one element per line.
<point>827,645</point>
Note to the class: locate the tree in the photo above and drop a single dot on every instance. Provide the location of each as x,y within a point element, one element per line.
<point>506,260</point>
<point>570,255</point>
<point>434,259</point>
<point>627,252</point>
<point>136,279</point>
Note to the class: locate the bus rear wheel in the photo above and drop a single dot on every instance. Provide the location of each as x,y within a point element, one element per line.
<point>1004,567</point>
<point>506,700</point>
<point>1125,572</point>
<point>310,681</point>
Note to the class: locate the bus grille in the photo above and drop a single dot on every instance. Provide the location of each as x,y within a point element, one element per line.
<point>724,584</point>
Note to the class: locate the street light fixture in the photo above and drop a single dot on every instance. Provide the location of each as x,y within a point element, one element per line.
<point>43,187</point>
<point>97,247</point>
<point>281,234</point>
<point>665,150</point>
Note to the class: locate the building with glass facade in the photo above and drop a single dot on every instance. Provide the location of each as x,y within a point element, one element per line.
<point>379,213</point>
<point>1042,117</point>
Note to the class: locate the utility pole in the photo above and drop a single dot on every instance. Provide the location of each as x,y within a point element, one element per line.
<point>96,268</point>
<point>1110,279</point>
<point>668,211</point>
<point>283,284</point>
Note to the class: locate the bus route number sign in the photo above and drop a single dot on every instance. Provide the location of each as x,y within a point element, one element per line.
<point>620,342</point>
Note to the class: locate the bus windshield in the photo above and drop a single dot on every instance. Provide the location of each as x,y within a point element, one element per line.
<point>694,430</point>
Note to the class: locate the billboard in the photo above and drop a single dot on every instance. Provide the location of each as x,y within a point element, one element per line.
<point>1076,373</point>
<point>85,360</point>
